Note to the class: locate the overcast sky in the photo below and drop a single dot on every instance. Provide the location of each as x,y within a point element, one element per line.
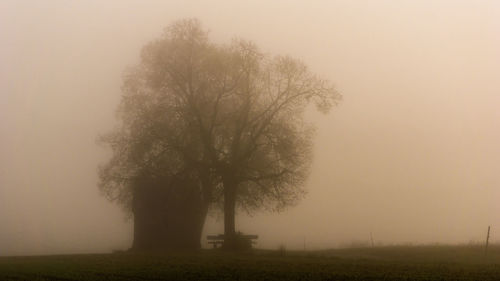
<point>412,154</point>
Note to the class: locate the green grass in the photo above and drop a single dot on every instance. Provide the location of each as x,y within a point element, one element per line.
<point>384,263</point>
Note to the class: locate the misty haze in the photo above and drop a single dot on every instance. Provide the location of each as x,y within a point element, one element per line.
<point>392,137</point>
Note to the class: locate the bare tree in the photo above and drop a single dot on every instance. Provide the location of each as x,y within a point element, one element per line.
<point>229,114</point>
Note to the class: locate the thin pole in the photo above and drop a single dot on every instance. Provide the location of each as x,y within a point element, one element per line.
<point>304,243</point>
<point>487,240</point>
<point>371,238</point>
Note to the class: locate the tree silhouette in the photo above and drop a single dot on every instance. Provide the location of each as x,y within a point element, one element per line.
<point>227,118</point>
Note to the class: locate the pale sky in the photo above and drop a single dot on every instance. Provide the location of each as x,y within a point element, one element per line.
<point>411,154</point>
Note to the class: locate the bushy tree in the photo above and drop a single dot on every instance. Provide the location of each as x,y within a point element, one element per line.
<point>227,117</point>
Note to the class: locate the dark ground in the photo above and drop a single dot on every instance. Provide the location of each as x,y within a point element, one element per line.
<point>382,263</point>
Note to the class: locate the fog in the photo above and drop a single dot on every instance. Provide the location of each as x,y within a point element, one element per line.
<point>410,155</point>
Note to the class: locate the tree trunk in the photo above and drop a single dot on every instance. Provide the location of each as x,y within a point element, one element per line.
<point>230,186</point>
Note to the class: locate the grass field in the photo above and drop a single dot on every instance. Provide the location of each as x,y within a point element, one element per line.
<point>383,263</point>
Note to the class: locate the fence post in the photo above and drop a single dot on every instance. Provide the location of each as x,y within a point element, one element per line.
<point>487,240</point>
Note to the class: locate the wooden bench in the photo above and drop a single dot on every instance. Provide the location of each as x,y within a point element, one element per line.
<point>216,240</point>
